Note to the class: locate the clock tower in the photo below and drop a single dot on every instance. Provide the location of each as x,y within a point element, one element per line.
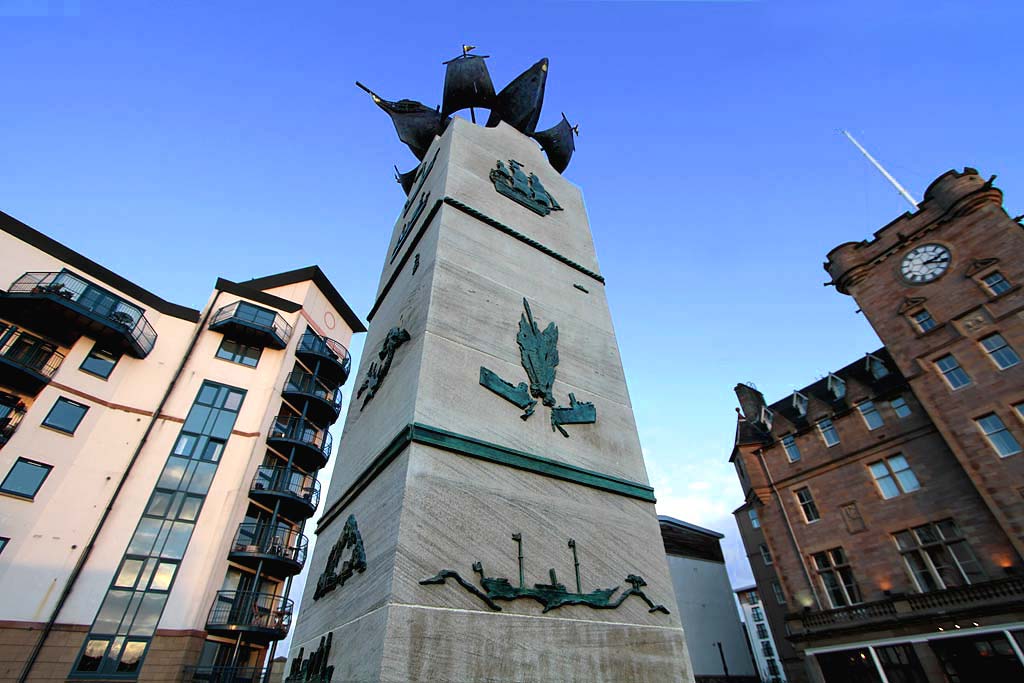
<point>942,288</point>
<point>489,518</point>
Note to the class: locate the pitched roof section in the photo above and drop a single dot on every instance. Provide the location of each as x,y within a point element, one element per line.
<point>12,226</point>
<point>320,280</point>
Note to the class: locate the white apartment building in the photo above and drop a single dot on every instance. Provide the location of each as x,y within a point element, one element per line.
<point>157,464</point>
<point>759,632</point>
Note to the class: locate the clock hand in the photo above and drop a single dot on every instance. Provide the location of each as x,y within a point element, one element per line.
<point>937,259</point>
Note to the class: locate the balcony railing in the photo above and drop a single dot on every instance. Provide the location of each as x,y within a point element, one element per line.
<point>990,594</point>
<point>299,493</point>
<point>252,325</point>
<point>334,360</point>
<point>327,401</point>
<point>314,443</point>
<point>263,616</point>
<point>97,304</point>
<point>11,416</point>
<point>223,674</point>
<point>27,362</point>
<point>280,547</point>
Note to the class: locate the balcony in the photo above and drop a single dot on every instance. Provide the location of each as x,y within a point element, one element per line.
<point>323,404</point>
<point>251,325</point>
<point>297,493</point>
<point>975,600</point>
<point>11,412</point>
<point>258,617</point>
<point>27,363</point>
<point>328,358</point>
<point>282,551</point>
<point>63,306</point>
<point>308,445</point>
<point>223,674</point>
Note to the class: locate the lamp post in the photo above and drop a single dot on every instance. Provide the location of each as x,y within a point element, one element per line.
<point>721,654</point>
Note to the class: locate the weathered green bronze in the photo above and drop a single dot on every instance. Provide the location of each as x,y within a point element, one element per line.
<point>330,578</point>
<point>581,288</point>
<point>551,595</point>
<point>518,395</point>
<point>538,352</point>
<point>407,227</point>
<point>313,669</point>
<point>523,189</point>
<point>375,375</point>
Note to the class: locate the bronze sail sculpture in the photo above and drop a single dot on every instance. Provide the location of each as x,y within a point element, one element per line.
<point>468,85</point>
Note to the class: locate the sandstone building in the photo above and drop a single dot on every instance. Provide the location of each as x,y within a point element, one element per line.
<point>156,464</point>
<point>884,510</point>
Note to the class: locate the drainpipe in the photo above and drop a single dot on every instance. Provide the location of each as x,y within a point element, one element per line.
<point>80,565</point>
<point>789,527</point>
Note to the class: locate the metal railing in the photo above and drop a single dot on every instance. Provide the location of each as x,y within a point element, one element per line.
<point>289,481</point>
<point>9,423</point>
<point>253,316</point>
<point>246,610</point>
<point>275,540</point>
<point>95,300</point>
<point>223,674</point>
<point>326,347</point>
<point>302,431</point>
<point>38,356</point>
<point>300,381</point>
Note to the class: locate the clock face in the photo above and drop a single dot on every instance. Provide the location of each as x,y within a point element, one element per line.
<point>925,263</point>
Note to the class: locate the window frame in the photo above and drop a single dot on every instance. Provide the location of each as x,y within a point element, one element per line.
<point>755,520</point>
<point>871,409</point>
<point>94,351</point>
<point>903,404</point>
<point>807,505</point>
<point>4,542</point>
<point>766,555</point>
<point>955,368</point>
<point>843,581</point>
<point>831,427</point>
<point>18,494</point>
<point>944,544</point>
<point>1003,429</point>
<point>64,400</point>
<point>836,386</point>
<point>991,352</point>
<point>922,320</point>
<point>236,357</point>
<point>780,595</point>
<point>892,474</point>
<point>791,443</point>
<point>983,279</point>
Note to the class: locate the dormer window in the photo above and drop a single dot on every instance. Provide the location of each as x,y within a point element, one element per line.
<point>800,403</point>
<point>836,386</point>
<point>877,367</point>
<point>766,417</point>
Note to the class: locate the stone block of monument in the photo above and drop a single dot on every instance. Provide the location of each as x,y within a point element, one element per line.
<point>489,517</point>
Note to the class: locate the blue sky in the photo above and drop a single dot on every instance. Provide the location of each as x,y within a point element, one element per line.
<point>178,142</point>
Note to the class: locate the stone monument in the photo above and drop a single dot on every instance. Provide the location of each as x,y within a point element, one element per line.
<point>489,516</point>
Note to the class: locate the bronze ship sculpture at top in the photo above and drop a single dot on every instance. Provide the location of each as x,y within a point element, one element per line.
<point>467,85</point>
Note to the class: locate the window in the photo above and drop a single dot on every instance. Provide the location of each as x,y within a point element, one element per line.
<point>871,416</point>
<point>757,614</point>
<point>752,598</point>
<point>1019,407</point>
<point>792,451</point>
<point>800,403</point>
<point>807,504</point>
<point>951,370</point>
<point>998,435</point>
<point>836,385</point>
<point>837,577</point>
<point>877,367</point>
<point>239,353</point>
<point>766,554</point>
<point>1001,353</point>
<point>780,597</point>
<point>3,543</point>
<point>65,415</point>
<point>937,556</point>
<point>762,631</point>
<point>924,320</point>
<point>754,521</point>
<point>996,283</point>
<point>773,667</point>
<point>25,478</point>
<point>766,647</point>
<point>894,476</point>
<point>767,417</point>
<point>99,362</point>
<point>900,407</point>
<point>828,432</point>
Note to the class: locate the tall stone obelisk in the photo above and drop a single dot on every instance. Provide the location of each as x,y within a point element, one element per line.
<point>489,517</point>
